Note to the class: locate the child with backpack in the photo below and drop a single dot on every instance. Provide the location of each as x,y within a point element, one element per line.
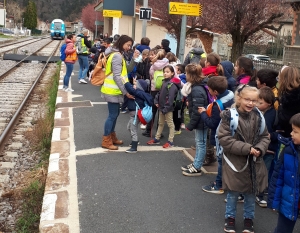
<point>217,86</point>
<point>164,101</point>
<point>197,97</point>
<point>245,71</point>
<point>156,73</point>
<point>284,189</point>
<point>140,101</point>
<point>70,57</point>
<point>265,104</point>
<point>212,68</point>
<point>244,139</point>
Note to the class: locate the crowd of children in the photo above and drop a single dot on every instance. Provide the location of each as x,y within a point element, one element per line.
<point>247,119</point>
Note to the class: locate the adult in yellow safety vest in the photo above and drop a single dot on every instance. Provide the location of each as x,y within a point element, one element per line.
<point>113,90</point>
<point>196,53</point>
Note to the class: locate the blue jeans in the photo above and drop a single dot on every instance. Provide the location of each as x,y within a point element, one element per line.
<point>83,66</point>
<point>249,205</point>
<point>69,67</point>
<point>219,175</point>
<point>113,113</point>
<point>200,139</point>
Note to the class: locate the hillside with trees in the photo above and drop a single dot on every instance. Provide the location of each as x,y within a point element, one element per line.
<point>68,10</point>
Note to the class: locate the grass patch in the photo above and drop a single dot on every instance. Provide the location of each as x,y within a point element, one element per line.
<point>4,36</point>
<point>33,187</point>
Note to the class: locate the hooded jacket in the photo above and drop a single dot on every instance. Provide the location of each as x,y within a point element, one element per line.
<point>285,183</point>
<point>196,98</point>
<point>228,69</point>
<point>140,97</point>
<point>158,65</point>
<point>193,56</point>
<point>213,121</point>
<point>167,94</point>
<point>237,148</point>
<point>289,106</point>
<point>70,49</point>
<point>143,68</point>
<point>116,68</point>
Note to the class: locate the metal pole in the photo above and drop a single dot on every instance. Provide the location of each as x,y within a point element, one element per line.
<point>133,22</point>
<point>182,36</point>
<point>144,29</point>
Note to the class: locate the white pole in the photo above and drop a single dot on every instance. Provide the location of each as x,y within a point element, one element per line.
<point>144,29</point>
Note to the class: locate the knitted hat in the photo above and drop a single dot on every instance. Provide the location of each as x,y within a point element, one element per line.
<point>141,84</point>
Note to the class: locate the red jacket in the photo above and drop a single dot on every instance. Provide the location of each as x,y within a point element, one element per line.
<point>70,49</point>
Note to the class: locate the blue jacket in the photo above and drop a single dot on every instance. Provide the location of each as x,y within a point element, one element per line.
<point>140,97</point>
<point>270,118</point>
<point>228,69</point>
<point>213,121</point>
<point>284,186</point>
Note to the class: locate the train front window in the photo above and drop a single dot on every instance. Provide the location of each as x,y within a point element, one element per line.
<point>57,26</point>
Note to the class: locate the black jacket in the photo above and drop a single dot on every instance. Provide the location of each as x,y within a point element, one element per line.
<point>270,118</point>
<point>167,94</point>
<point>197,98</point>
<point>142,70</point>
<point>289,106</point>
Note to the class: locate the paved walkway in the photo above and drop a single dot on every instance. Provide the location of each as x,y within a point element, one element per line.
<point>92,190</point>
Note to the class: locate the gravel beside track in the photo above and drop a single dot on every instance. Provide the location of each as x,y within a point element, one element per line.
<point>15,46</point>
<point>5,65</point>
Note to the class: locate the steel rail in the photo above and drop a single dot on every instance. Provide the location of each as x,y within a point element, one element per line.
<point>13,120</point>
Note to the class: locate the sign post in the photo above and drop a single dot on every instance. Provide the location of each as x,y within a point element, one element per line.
<point>185,8</point>
<point>145,15</point>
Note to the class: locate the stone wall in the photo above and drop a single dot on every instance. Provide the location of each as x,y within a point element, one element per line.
<point>291,55</point>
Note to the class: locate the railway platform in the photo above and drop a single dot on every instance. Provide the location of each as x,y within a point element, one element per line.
<point>90,189</point>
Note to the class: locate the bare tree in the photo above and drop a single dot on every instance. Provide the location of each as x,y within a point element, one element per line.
<point>88,17</point>
<point>13,9</point>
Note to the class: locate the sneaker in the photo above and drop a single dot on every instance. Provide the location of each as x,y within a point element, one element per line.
<point>241,199</point>
<point>187,167</point>
<point>82,81</point>
<point>168,144</point>
<point>177,132</point>
<point>182,126</point>
<point>68,89</point>
<point>124,111</point>
<point>153,142</point>
<point>143,126</point>
<point>192,171</point>
<point>229,225</point>
<point>261,202</point>
<point>212,188</point>
<point>248,226</point>
<point>146,134</point>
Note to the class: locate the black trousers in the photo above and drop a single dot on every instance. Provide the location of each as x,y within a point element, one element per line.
<point>154,111</point>
<point>284,225</point>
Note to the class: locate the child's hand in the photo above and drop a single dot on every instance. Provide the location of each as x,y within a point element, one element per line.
<point>134,81</point>
<point>156,105</point>
<point>254,152</point>
<point>129,96</point>
<point>201,109</point>
<point>187,103</point>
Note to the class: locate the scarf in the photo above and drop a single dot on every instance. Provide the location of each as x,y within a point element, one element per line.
<point>210,70</point>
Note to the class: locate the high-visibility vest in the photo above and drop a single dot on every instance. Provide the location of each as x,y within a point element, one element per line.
<point>109,86</point>
<point>83,47</point>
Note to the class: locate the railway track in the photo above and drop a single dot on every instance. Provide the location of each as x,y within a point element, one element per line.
<point>21,95</point>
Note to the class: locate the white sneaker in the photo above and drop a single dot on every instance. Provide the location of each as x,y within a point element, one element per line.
<point>182,126</point>
<point>143,126</point>
<point>68,89</point>
<point>82,81</point>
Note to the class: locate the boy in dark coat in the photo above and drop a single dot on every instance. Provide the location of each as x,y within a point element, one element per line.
<point>217,86</point>
<point>284,187</point>
<point>138,90</point>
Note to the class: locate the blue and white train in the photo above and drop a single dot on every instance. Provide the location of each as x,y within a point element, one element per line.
<point>58,29</point>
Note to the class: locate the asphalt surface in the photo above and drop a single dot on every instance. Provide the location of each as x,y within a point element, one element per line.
<point>143,192</point>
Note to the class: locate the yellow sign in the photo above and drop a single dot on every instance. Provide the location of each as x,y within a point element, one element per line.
<point>112,13</point>
<point>179,8</point>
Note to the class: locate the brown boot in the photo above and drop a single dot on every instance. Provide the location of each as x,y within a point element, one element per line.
<point>115,140</point>
<point>108,144</point>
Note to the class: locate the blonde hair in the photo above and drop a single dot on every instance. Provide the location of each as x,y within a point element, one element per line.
<point>240,91</point>
<point>160,55</point>
<point>194,72</point>
<point>196,43</point>
<point>289,79</point>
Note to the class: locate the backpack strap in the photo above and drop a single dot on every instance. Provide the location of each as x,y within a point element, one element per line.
<point>220,105</point>
<point>137,107</point>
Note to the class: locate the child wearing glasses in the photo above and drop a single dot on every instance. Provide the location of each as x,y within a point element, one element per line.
<point>243,169</point>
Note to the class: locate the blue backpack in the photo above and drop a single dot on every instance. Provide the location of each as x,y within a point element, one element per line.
<point>63,52</point>
<point>145,115</point>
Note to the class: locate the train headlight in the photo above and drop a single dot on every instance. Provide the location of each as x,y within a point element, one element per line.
<point>62,31</point>
<point>51,31</point>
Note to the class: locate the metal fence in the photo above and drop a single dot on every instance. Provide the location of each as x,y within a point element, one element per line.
<point>258,65</point>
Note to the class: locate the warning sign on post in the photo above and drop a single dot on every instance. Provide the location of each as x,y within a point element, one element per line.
<point>179,8</point>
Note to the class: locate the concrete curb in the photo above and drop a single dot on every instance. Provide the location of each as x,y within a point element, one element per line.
<point>60,198</point>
